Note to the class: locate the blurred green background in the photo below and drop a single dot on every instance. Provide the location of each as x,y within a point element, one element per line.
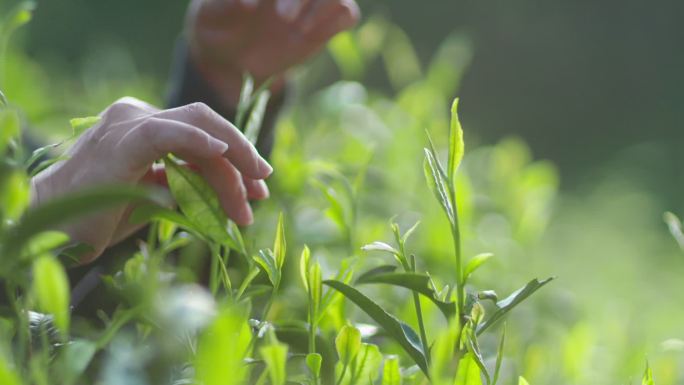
<point>593,87</point>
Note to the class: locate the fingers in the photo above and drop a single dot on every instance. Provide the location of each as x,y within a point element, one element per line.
<point>227,181</point>
<point>155,137</point>
<point>256,188</point>
<point>240,151</point>
<point>330,18</point>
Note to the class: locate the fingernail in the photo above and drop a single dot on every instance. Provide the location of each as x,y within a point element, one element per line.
<point>221,147</point>
<point>287,9</point>
<point>263,189</point>
<point>266,167</point>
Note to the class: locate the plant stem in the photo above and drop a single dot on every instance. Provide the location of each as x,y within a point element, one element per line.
<point>419,311</point>
<point>456,234</point>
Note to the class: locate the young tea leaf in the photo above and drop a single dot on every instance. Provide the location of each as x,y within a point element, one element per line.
<point>522,381</point>
<point>256,116</point>
<point>468,371</point>
<point>279,245</point>
<point>364,367</point>
<point>267,261</point>
<point>9,127</point>
<point>199,203</point>
<point>304,260</point>
<point>391,373</point>
<point>474,264</point>
<point>348,343</point>
<point>50,288</point>
<point>275,357</point>
<point>647,379</point>
<point>437,184</point>
<point>245,101</point>
<point>456,146</point>
<point>80,125</point>
<point>313,362</point>
<point>404,335</point>
<point>508,303</point>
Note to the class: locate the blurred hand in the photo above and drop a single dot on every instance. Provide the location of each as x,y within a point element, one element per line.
<point>262,37</point>
<point>122,147</point>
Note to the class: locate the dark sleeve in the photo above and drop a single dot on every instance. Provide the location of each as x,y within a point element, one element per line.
<point>188,86</point>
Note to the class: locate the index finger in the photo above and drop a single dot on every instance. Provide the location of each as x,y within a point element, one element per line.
<point>241,152</point>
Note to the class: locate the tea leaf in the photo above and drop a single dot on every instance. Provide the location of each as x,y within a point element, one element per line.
<point>3,99</point>
<point>364,367</point>
<point>256,117</point>
<point>437,184</point>
<point>675,227</point>
<point>304,260</point>
<point>647,379</point>
<point>508,303</point>
<point>80,125</point>
<point>51,290</point>
<point>279,245</point>
<point>380,246</point>
<point>418,283</point>
<point>74,360</point>
<point>275,356</point>
<point>402,333</point>
<point>8,374</point>
<point>468,371</point>
<point>499,356</point>
<point>245,101</point>
<point>148,212</point>
<point>267,261</point>
<point>199,203</point>
<point>456,146</point>
<point>9,127</point>
<point>348,343</point>
<point>474,264</point>
<point>391,375</point>
<point>313,362</point>
<point>522,381</point>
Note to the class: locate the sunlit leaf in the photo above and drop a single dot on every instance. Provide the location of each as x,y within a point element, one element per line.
<point>267,261</point>
<point>380,246</point>
<point>256,117</point>
<point>400,332</point>
<point>365,367</point>
<point>675,226</point>
<point>522,381</point>
<point>348,343</point>
<point>45,242</point>
<point>474,264</point>
<point>304,260</point>
<point>8,374</point>
<point>80,125</point>
<point>468,371</point>
<point>456,146</point>
<point>391,373</point>
<point>50,288</point>
<point>198,201</point>
<point>647,378</point>
<point>275,357</point>
<point>418,283</point>
<point>280,245</point>
<point>508,303</point>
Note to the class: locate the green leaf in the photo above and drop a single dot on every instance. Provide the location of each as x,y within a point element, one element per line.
<point>256,116</point>
<point>399,331</point>
<point>223,347</point>
<point>147,212</point>
<point>336,210</point>
<point>280,245</point>
<point>199,203</point>
<point>3,99</point>
<point>474,264</point>
<point>8,374</point>
<point>418,283</point>
<point>391,374</point>
<point>522,381</point>
<point>499,356</point>
<point>348,343</point>
<point>456,145</point>
<point>437,184</point>
<point>267,261</point>
<point>647,379</point>
<point>50,288</point>
<point>74,359</point>
<point>468,371</point>
<point>9,127</point>
<point>275,357</point>
<point>473,348</point>
<point>80,125</point>
<point>65,209</point>
<point>304,261</point>
<point>380,246</point>
<point>508,303</point>
<point>19,16</point>
<point>315,287</point>
<point>365,367</point>
<point>14,194</point>
<point>313,362</point>
<point>45,242</point>
<point>245,101</point>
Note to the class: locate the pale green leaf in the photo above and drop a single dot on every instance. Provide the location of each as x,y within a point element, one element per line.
<point>365,367</point>
<point>647,379</point>
<point>468,371</point>
<point>456,146</point>
<point>267,261</point>
<point>348,343</point>
<point>9,127</point>
<point>256,116</point>
<point>280,245</point>
<point>474,264</point>
<point>313,362</point>
<point>275,357</point>
<point>50,288</point>
<point>80,125</point>
<point>522,381</point>
<point>304,260</point>
<point>391,373</point>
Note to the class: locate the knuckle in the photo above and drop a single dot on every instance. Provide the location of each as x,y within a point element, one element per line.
<point>199,109</point>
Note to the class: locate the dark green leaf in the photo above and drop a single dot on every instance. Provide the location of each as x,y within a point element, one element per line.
<point>416,282</point>
<point>402,333</point>
<point>508,303</point>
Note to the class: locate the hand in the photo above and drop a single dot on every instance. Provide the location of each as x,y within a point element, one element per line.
<point>261,37</point>
<point>122,147</point>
